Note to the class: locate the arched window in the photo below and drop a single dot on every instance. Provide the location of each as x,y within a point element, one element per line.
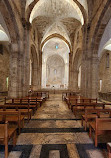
<point>100,85</point>
<point>7,82</point>
<point>107,60</point>
<point>79,78</point>
<point>30,81</point>
<point>55,71</point>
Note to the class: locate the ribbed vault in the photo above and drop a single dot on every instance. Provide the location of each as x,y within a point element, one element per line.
<point>56,17</point>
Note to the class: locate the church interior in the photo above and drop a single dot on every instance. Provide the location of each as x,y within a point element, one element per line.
<point>55,85</point>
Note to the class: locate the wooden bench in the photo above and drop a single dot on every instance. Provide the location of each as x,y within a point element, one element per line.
<point>40,99</point>
<point>70,100</point>
<point>68,94</point>
<point>91,114</point>
<point>44,94</point>
<point>33,104</point>
<point>6,133</point>
<point>12,116</point>
<point>100,126</point>
<point>24,109</point>
<point>109,149</point>
<point>81,100</point>
<point>85,105</point>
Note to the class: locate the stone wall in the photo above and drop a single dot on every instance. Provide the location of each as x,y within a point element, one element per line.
<point>105,73</point>
<point>4,69</point>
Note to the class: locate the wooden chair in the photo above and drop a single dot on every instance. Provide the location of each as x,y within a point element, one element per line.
<point>6,133</point>
<point>100,126</point>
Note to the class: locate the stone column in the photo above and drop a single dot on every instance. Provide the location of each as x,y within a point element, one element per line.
<point>95,76</point>
<point>40,70</point>
<point>66,75</point>
<point>90,72</point>
<point>26,52</point>
<point>34,79</point>
<point>75,80</point>
<point>70,71</point>
<point>13,77</point>
<point>86,77</point>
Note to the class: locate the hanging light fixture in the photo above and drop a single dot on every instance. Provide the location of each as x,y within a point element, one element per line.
<point>57,46</point>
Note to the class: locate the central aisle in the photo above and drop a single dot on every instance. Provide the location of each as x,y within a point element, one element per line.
<point>54,132</point>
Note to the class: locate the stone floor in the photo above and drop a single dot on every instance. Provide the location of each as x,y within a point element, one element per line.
<point>54,132</point>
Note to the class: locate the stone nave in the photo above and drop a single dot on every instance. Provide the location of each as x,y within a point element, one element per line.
<point>59,47</point>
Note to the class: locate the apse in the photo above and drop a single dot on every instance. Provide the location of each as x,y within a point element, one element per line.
<point>55,64</point>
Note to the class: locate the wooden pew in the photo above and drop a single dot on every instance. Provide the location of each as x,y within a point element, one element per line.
<point>43,94</point>
<point>24,109</point>
<point>81,100</point>
<point>6,133</point>
<point>40,99</point>
<point>91,114</point>
<point>70,100</point>
<point>100,126</point>
<point>12,116</point>
<point>109,149</point>
<point>85,105</point>
<point>68,94</point>
<point>33,104</point>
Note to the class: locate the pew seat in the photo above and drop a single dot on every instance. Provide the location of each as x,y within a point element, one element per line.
<point>100,126</point>
<point>91,114</point>
<point>13,117</point>
<point>109,149</point>
<point>6,133</point>
<point>82,106</point>
<point>24,109</point>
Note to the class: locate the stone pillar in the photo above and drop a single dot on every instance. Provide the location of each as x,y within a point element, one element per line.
<point>70,71</point>
<point>40,70</point>
<point>13,77</point>
<point>34,79</point>
<point>19,65</point>
<point>86,77</point>
<point>95,76</point>
<point>66,75</point>
<point>26,52</point>
<point>75,80</point>
<point>90,73</point>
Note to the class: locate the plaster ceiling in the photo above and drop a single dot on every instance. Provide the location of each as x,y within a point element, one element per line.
<point>57,9</point>
<point>62,17</point>
<point>49,49</point>
<point>57,28</point>
<point>3,35</point>
<point>82,2</point>
<point>105,43</point>
<point>108,45</point>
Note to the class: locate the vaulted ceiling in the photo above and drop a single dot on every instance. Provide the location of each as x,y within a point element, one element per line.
<point>57,17</point>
